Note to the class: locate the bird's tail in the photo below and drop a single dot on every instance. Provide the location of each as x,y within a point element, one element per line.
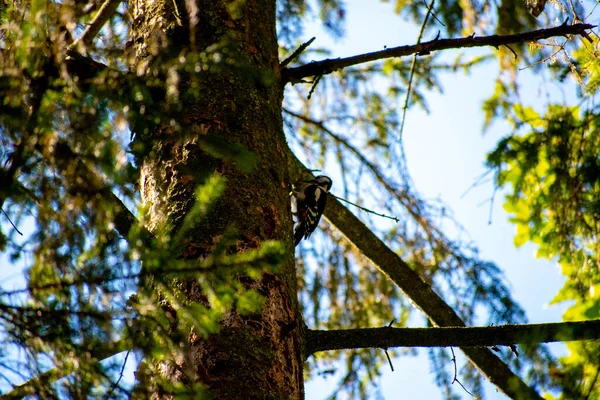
<point>299,233</point>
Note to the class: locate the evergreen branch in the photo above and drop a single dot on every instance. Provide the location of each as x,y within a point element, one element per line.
<point>18,158</point>
<point>124,219</point>
<point>9,176</point>
<point>8,312</point>
<point>328,66</point>
<point>418,291</point>
<point>32,386</point>
<point>479,336</point>
<point>191,268</point>
<point>86,69</point>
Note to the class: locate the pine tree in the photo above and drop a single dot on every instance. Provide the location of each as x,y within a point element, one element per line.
<point>146,194</point>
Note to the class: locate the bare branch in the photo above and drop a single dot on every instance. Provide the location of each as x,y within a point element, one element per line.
<point>296,53</point>
<point>389,360</point>
<point>120,374</point>
<point>413,67</point>
<point>503,335</point>
<point>455,379</point>
<point>395,219</point>
<point>106,11</point>
<point>10,222</point>
<point>325,67</point>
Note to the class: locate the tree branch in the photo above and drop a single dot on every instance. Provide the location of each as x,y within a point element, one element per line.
<point>18,157</point>
<point>328,66</point>
<point>124,219</point>
<point>31,387</point>
<point>413,68</point>
<point>505,335</point>
<point>106,11</point>
<point>416,289</point>
<point>85,68</point>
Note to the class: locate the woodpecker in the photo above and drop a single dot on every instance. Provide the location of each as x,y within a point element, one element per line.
<point>311,197</point>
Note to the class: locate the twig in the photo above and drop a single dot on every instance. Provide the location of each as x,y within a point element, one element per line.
<point>314,86</point>
<point>592,11</point>
<point>296,53</point>
<point>514,52</point>
<point>561,48</point>
<point>325,67</point>
<point>9,220</point>
<point>431,10</point>
<point>480,180</point>
<point>575,16</point>
<point>16,161</point>
<point>386,350</point>
<point>456,374</point>
<point>491,210</point>
<point>389,360</point>
<point>413,67</point>
<point>108,395</point>
<point>365,209</point>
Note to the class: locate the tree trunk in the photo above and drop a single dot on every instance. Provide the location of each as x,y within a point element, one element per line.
<point>256,356</point>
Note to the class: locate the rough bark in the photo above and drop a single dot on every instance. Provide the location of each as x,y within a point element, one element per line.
<point>257,356</point>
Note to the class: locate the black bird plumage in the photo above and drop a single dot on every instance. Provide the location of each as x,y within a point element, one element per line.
<point>311,198</point>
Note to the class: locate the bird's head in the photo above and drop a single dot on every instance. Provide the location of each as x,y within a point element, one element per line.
<point>324,182</point>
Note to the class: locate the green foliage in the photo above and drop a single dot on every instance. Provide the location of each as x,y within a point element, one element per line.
<point>555,176</point>
<point>584,64</point>
<point>554,172</point>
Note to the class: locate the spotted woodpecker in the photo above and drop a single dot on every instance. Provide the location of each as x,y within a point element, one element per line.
<point>311,197</point>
